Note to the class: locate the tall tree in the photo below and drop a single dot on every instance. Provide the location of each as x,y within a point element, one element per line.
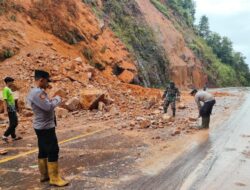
<point>226,53</point>
<point>214,41</point>
<point>203,27</point>
<point>189,6</point>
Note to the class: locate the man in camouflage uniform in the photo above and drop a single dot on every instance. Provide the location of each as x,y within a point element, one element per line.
<point>170,96</point>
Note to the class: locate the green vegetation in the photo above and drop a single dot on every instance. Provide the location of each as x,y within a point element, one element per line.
<point>224,66</point>
<point>219,73</point>
<point>6,53</point>
<point>13,18</point>
<point>222,48</point>
<point>185,9</point>
<point>2,7</point>
<point>88,53</point>
<point>161,7</point>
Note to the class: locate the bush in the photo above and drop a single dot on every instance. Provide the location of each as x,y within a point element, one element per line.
<point>8,53</point>
<point>161,7</point>
<point>88,53</point>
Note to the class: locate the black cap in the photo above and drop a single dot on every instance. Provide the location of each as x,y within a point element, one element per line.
<point>193,91</point>
<point>42,74</point>
<point>8,79</point>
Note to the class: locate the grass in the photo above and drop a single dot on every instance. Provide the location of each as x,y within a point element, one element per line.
<point>161,7</point>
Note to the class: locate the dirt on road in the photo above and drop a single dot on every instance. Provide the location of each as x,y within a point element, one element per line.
<point>114,150</point>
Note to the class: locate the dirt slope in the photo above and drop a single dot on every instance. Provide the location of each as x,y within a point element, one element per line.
<point>48,35</point>
<point>186,69</point>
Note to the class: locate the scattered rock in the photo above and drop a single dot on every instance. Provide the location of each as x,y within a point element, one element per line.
<point>27,113</point>
<point>73,104</point>
<point>150,103</point>
<point>132,123</point>
<point>78,59</point>
<point>156,112</point>
<point>166,118</point>
<point>61,93</point>
<point>145,124</point>
<point>101,106</point>
<point>126,76</point>
<point>3,152</point>
<point>177,132</point>
<point>89,98</point>
<point>182,106</point>
<point>192,119</point>
<point>61,112</point>
<point>140,118</point>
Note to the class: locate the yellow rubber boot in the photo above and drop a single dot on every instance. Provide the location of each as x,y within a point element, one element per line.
<point>43,168</point>
<point>54,177</point>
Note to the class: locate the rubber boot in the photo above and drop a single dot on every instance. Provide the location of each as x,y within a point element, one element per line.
<point>174,112</point>
<point>54,176</point>
<point>43,168</point>
<point>165,109</point>
<point>205,122</point>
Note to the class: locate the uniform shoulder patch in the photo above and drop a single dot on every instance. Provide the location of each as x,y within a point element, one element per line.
<point>42,96</point>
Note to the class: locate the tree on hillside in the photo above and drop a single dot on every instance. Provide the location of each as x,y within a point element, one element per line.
<point>226,52</point>
<point>203,27</point>
<point>189,6</point>
<point>214,41</point>
<point>184,8</point>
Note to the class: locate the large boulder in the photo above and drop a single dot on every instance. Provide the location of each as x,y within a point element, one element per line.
<point>89,98</point>
<point>60,92</point>
<point>127,76</point>
<point>73,104</point>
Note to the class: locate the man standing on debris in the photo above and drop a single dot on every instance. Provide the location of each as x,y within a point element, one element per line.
<point>205,110</point>
<point>170,96</point>
<point>10,109</point>
<point>44,125</point>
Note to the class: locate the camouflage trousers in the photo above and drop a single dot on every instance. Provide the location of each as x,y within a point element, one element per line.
<point>166,105</point>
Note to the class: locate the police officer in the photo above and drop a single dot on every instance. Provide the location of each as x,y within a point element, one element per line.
<point>44,125</point>
<point>205,110</point>
<point>170,96</point>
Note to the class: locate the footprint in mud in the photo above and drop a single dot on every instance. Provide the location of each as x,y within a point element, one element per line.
<point>240,184</point>
<point>245,136</point>
<point>230,149</point>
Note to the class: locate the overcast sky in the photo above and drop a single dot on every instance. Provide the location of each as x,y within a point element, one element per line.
<point>229,18</point>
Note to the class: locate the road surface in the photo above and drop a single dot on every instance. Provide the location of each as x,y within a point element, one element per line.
<point>222,162</point>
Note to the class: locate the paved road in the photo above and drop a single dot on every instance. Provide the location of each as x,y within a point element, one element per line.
<point>220,163</point>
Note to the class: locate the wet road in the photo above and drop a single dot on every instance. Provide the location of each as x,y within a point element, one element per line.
<point>222,162</point>
<point>97,158</point>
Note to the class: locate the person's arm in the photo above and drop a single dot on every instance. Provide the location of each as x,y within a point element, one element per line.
<point>5,104</point>
<point>197,100</point>
<point>16,105</point>
<point>165,93</point>
<point>43,102</point>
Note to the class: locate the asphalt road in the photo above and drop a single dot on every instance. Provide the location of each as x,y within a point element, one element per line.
<point>222,162</point>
